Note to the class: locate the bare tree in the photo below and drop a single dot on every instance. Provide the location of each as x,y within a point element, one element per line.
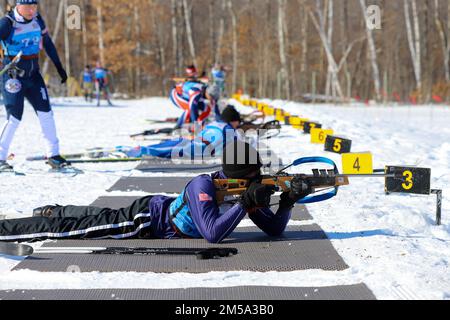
<point>444,38</point>
<point>373,54</point>
<point>332,66</point>
<point>281,41</point>
<point>182,28</point>
<point>175,55</point>
<point>137,31</point>
<point>272,46</point>
<point>304,41</point>
<point>101,42</point>
<point>235,44</point>
<point>187,18</point>
<point>221,33</point>
<point>414,40</point>
<point>84,33</point>
<point>66,41</point>
<point>55,33</point>
<point>211,27</point>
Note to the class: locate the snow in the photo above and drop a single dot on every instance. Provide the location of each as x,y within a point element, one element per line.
<point>391,243</point>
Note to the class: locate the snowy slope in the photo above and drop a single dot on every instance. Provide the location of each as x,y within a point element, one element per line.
<point>390,242</point>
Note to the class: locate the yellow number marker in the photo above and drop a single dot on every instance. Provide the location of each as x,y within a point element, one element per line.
<point>337,146</point>
<point>408,185</point>
<point>320,135</point>
<point>357,163</point>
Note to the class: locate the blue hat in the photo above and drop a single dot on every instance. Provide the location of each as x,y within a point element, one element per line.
<point>26,1</point>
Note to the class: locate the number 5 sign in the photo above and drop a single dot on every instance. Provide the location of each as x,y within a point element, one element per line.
<point>338,145</point>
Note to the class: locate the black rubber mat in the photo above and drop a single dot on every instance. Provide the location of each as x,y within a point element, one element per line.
<point>153,185</point>
<point>299,213</point>
<point>300,248</point>
<point>352,292</point>
<point>167,166</point>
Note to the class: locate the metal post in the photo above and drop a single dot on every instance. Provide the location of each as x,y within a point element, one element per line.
<point>438,194</point>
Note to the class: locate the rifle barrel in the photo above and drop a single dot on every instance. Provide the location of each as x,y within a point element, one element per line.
<point>390,175</point>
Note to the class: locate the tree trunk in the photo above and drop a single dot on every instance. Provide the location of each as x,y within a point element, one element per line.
<point>304,45</point>
<point>373,55</point>
<point>187,19</point>
<point>448,30</point>
<point>414,40</point>
<point>137,31</point>
<point>84,34</point>
<point>329,13</point>
<point>161,51</point>
<point>445,43</point>
<point>181,38</point>
<point>333,68</point>
<point>66,42</point>
<point>55,33</point>
<point>281,42</point>
<point>175,56</point>
<point>101,43</point>
<point>235,46</point>
<point>221,33</point>
<point>211,28</point>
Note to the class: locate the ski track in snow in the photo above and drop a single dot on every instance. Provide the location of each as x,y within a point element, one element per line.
<point>389,242</point>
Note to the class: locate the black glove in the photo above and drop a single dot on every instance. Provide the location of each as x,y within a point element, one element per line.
<point>63,74</point>
<point>257,196</point>
<point>300,188</point>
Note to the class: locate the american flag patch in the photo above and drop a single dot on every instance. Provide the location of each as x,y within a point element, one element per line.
<point>203,197</point>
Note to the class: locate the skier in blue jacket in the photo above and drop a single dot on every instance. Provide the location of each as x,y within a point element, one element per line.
<point>209,143</point>
<point>102,83</point>
<point>23,30</point>
<point>195,213</point>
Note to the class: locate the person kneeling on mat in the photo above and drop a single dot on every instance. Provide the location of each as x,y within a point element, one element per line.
<point>194,214</point>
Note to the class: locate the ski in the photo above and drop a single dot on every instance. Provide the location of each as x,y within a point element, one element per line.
<point>90,153</point>
<point>104,160</point>
<point>14,249</point>
<point>12,173</point>
<point>200,253</point>
<point>92,157</point>
<point>67,170</point>
<point>153,132</point>
<point>168,120</point>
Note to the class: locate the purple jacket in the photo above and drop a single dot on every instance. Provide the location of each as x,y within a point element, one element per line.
<point>212,223</point>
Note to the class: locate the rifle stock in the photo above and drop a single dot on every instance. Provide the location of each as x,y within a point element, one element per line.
<point>230,189</point>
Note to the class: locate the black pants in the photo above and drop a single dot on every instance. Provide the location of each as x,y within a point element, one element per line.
<point>74,222</point>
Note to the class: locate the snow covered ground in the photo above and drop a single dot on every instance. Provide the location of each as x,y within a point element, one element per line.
<point>390,242</point>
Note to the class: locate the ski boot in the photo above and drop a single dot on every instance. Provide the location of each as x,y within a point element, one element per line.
<point>58,163</point>
<point>5,167</point>
<point>46,211</point>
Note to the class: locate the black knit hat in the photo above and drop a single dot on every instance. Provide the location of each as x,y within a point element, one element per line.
<point>230,114</point>
<point>240,159</point>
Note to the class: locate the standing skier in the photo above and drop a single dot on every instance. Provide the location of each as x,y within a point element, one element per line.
<point>218,73</point>
<point>87,78</point>
<point>23,30</point>
<point>101,83</point>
